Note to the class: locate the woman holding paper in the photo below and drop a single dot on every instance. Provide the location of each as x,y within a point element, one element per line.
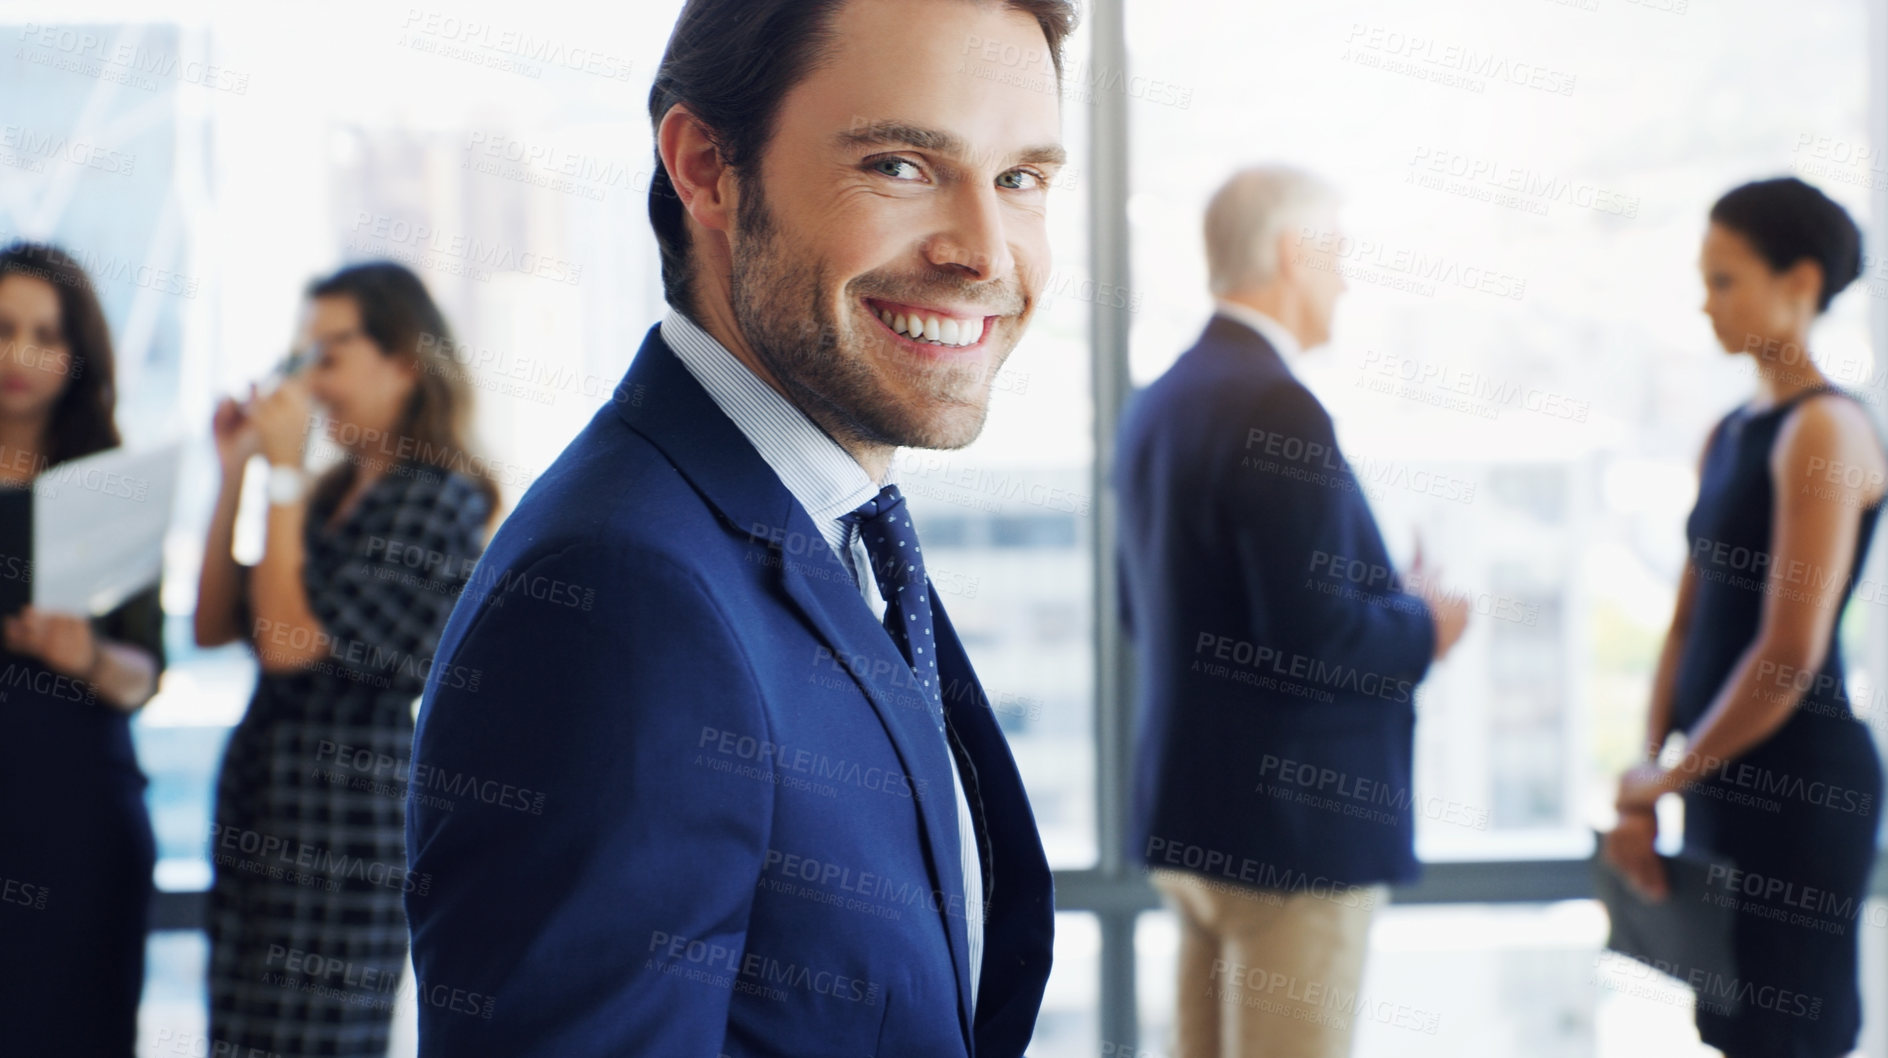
<point>76,848</point>
<point>1779,776</point>
<point>360,568</point>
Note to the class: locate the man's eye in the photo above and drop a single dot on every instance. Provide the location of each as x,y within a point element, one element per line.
<point>897,168</point>
<point>1021,180</point>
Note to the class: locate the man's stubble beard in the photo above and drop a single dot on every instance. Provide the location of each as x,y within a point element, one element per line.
<point>782,311</point>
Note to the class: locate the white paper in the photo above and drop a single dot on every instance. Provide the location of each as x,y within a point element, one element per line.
<point>99,525</point>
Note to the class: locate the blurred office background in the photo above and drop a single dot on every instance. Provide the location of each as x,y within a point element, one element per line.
<point>1520,375</point>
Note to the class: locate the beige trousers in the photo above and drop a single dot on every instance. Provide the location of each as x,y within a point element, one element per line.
<point>1266,974</point>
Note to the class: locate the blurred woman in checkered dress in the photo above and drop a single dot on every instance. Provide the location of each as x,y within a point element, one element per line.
<point>360,568</point>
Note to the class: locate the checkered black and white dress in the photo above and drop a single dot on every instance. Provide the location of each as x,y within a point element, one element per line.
<point>307,934</point>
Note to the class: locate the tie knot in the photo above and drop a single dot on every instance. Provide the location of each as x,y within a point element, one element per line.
<point>891,541</point>
<point>888,500</point>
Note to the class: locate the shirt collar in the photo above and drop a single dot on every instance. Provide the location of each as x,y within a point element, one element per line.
<point>821,475</point>
<point>1282,340</point>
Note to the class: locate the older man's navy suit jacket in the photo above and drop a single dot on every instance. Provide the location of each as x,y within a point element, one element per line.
<point>1278,653</point>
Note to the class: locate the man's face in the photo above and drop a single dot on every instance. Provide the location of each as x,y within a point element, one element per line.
<point>1322,282</point>
<point>890,252</point>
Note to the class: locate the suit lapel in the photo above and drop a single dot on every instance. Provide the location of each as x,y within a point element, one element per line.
<point>1019,927</point>
<point>862,646</point>
<point>661,399</point>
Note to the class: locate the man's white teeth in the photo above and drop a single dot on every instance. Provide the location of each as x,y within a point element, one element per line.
<point>943,330</point>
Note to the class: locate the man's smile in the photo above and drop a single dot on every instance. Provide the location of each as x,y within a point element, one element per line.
<point>931,328</point>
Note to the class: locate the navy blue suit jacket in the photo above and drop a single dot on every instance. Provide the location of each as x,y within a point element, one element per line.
<point>1278,654</point>
<point>721,821</point>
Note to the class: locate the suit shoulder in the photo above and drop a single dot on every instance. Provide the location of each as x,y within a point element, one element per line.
<point>1287,400</point>
<point>1202,389</point>
<point>618,498</point>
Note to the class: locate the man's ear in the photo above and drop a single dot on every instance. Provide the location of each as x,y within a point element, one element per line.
<point>703,180</point>
<point>1290,242</point>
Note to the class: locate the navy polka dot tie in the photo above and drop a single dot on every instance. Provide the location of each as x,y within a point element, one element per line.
<point>898,566</point>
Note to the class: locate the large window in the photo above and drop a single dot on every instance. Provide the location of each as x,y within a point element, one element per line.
<point>1519,375</point>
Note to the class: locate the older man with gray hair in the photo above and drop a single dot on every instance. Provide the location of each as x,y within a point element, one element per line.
<point>1279,649</point>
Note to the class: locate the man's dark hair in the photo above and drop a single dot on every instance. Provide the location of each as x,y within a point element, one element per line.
<point>732,62</point>
<point>1786,221</point>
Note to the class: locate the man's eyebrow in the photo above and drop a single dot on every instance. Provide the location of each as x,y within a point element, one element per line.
<point>1044,154</point>
<point>904,134</point>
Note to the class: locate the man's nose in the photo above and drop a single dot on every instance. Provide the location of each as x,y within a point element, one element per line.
<point>971,237</point>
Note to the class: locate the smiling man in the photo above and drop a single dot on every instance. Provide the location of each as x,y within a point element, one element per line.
<point>746,796</point>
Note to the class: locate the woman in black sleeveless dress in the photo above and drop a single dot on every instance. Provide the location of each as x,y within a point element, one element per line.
<point>1779,777</point>
<point>76,848</point>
